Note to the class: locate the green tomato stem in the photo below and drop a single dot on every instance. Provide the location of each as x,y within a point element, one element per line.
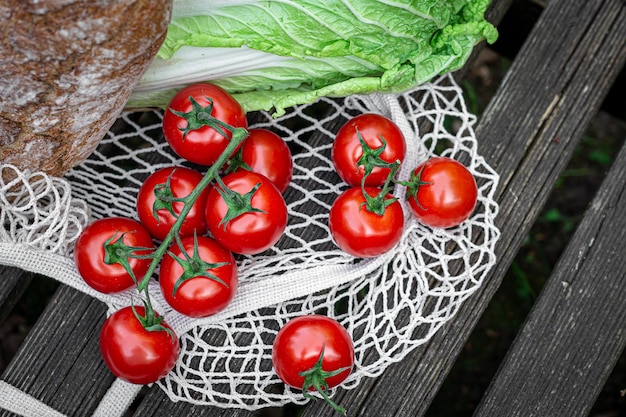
<point>238,136</point>
<point>200,116</point>
<point>413,185</point>
<point>194,266</point>
<point>379,204</point>
<point>371,157</point>
<point>316,377</point>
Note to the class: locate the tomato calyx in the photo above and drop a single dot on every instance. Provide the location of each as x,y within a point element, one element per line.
<point>164,198</point>
<point>371,157</point>
<point>200,116</point>
<point>379,203</point>
<point>236,162</point>
<point>413,185</point>
<point>151,322</point>
<point>238,204</point>
<point>117,252</point>
<point>194,266</point>
<point>315,377</point>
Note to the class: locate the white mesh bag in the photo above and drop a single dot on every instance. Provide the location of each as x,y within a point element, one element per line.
<point>390,304</point>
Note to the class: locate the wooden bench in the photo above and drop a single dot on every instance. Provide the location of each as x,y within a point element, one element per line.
<point>576,330</point>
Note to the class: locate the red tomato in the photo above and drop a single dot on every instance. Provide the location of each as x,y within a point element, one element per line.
<point>444,193</point>
<point>185,122</point>
<point>255,230</point>
<point>265,152</point>
<point>347,149</point>
<point>182,182</point>
<point>361,232</point>
<point>196,291</point>
<point>300,344</point>
<point>91,257</point>
<point>133,353</point>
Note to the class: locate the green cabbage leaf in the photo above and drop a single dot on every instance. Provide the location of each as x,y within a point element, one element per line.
<point>278,53</point>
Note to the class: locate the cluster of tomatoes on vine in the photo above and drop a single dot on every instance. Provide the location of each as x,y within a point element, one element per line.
<point>366,220</point>
<point>200,221</point>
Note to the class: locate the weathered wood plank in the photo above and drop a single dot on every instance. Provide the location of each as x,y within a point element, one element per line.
<point>516,24</point>
<point>555,85</point>
<point>59,363</point>
<point>14,282</point>
<point>572,338</point>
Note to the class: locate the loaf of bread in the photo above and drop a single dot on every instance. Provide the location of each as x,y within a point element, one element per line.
<point>68,68</point>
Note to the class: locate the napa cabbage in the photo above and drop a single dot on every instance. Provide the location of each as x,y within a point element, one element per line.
<point>273,54</point>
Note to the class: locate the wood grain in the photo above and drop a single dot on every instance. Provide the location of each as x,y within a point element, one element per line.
<point>59,362</point>
<point>571,340</point>
<point>14,283</point>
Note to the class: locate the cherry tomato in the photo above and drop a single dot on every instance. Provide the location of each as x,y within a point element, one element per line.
<point>171,182</point>
<point>185,122</point>
<point>132,352</point>
<point>265,152</point>
<point>444,192</point>
<point>103,271</point>
<point>209,281</point>
<point>301,343</point>
<point>347,150</point>
<point>360,232</point>
<point>264,218</point>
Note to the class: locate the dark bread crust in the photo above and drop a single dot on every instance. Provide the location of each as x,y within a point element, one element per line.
<point>68,68</point>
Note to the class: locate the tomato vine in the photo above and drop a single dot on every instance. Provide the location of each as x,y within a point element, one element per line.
<point>188,202</point>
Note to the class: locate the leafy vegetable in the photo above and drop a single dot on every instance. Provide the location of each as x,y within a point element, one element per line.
<point>274,54</point>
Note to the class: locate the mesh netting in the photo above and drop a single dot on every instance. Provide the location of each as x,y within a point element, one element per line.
<point>390,304</point>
